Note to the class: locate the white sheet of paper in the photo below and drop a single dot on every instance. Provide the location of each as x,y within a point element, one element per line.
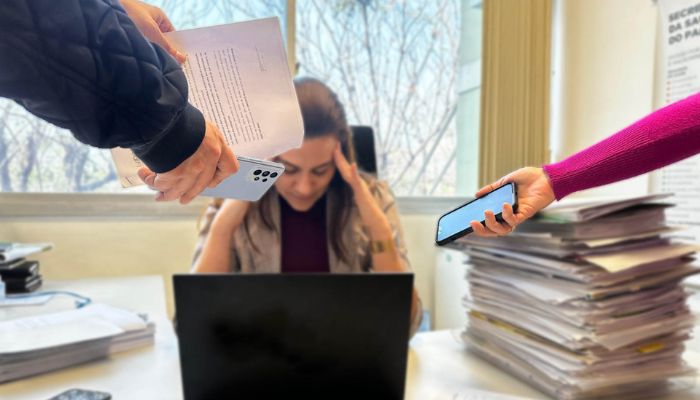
<point>21,338</point>
<point>554,292</point>
<point>43,331</point>
<point>576,210</point>
<point>21,250</point>
<point>620,239</point>
<point>616,262</point>
<point>239,78</point>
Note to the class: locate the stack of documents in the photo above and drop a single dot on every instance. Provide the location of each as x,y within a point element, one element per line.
<point>584,301</point>
<point>19,274</point>
<point>39,344</point>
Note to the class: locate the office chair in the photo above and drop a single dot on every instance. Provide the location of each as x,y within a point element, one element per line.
<point>365,153</point>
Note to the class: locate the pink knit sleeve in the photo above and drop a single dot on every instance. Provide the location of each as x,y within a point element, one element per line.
<point>663,137</point>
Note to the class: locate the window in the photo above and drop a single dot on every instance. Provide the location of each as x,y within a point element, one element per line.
<point>394,67</point>
<point>394,64</point>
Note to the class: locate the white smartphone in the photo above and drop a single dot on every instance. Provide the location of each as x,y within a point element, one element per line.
<point>253,179</point>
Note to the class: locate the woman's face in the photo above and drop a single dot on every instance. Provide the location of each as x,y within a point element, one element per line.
<point>308,172</point>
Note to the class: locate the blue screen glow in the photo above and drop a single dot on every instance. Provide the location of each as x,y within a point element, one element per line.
<point>458,220</point>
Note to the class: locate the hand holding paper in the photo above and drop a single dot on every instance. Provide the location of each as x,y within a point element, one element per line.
<point>207,167</point>
<point>239,78</point>
<point>152,22</point>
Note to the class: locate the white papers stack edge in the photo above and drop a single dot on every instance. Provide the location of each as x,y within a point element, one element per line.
<point>39,344</point>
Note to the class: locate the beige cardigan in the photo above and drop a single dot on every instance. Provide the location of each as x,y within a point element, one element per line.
<point>245,259</point>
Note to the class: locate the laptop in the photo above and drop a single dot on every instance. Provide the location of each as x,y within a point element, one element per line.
<point>303,335</point>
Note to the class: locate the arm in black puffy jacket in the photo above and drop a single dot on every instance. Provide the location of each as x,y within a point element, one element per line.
<point>83,65</point>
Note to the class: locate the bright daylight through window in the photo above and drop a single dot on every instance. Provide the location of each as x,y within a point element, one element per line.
<point>394,65</point>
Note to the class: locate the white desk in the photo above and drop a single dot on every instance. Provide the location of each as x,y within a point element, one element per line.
<point>147,373</point>
<point>438,364</point>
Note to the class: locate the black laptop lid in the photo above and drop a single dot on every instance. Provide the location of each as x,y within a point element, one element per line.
<point>310,335</point>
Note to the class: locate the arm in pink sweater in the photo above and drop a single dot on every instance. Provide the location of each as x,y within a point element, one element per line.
<point>661,138</point>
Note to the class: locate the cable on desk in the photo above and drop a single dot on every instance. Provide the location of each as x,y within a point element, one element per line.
<point>80,302</point>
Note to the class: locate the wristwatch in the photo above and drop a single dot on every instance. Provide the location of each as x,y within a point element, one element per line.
<point>380,246</point>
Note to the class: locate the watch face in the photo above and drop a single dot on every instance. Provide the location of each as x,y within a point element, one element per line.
<point>80,394</point>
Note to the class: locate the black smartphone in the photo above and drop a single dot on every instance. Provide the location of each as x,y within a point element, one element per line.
<point>455,224</point>
<point>82,394</point>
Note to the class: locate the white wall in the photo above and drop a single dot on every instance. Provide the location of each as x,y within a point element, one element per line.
<point>603,80</point>
<point>419,231</point>
<point>96,247</point>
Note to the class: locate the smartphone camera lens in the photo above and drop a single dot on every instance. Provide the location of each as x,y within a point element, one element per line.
<point>257,172</point>
<point>266,173</point>
<point>257,178</point>
<point>273,175</point>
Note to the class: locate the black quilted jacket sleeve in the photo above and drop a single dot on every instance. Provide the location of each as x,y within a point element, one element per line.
<point>83,65</point>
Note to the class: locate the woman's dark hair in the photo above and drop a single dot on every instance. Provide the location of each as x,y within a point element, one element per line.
<point>323,115</point>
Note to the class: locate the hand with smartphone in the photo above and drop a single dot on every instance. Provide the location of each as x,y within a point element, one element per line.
<point>457,223</point>
<point>253,179</point>
<point>487,218</point>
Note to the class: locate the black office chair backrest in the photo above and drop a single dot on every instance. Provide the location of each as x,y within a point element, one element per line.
<point>365,153</point>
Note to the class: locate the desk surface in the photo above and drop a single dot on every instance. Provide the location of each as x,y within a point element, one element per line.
<point>438,364</point>
<point>147,373</point>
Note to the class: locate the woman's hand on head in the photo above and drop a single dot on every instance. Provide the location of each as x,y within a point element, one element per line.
<point>349,173</point>
<point>534,193</point>
<point>372,216</point>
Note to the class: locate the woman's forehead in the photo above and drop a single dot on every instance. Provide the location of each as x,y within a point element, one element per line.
<point>312,153</point>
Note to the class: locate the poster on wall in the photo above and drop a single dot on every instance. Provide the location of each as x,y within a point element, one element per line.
<point>678,69</point>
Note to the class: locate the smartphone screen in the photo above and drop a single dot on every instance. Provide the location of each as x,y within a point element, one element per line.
<point>455,223</point>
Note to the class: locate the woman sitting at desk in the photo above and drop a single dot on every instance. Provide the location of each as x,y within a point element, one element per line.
<point>322,215</point>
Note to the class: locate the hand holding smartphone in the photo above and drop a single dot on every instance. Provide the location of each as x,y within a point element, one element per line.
<point>455,224</point>
<point>253,179</point>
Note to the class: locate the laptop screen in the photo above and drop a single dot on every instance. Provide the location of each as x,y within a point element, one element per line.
<point>312,335</point>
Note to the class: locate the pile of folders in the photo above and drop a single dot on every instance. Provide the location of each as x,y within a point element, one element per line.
<point>585,301</point>
<point>19,274</point>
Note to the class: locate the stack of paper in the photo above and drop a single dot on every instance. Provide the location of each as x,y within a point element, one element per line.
<point>39,344</point>
<point>585,305</point>
<point>19,274</point>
